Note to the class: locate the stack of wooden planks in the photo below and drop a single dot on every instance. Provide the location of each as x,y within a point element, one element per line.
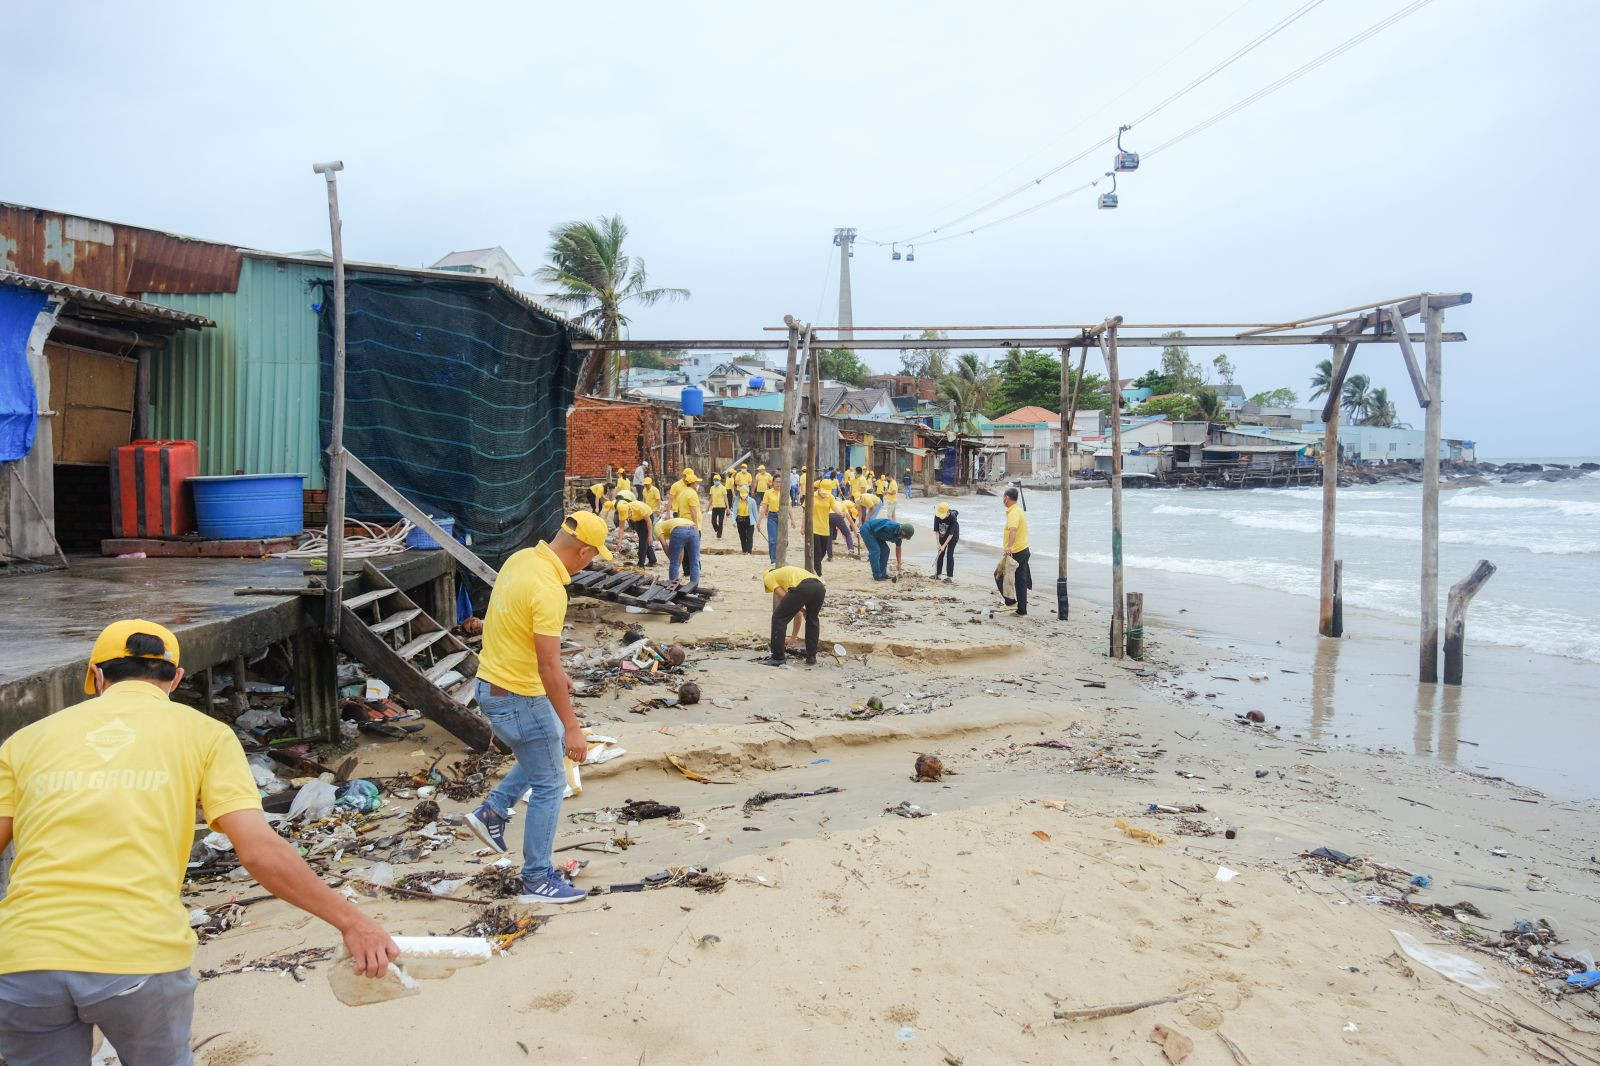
<point>634,588</point>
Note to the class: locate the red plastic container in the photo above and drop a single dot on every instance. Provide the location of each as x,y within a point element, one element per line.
<point>147,493</point>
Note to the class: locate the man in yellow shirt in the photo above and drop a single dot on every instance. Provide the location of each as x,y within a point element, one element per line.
<point>638,516</point>
<point>869,505</point>
<point>681,539</point>
<point>719,504</point>
<point>686,498</point>
<point>840,522</point>
<point>767,518</point>
<point>744,517</point>
<point>821,524</point>
<point>891,498</point>
<point>652,495</point>
<point>525,693</point>
<point>763,482</point>
<point>743,478</point>
<point>1013,578</point>
<point>794,589</point>
<point>100,800</point>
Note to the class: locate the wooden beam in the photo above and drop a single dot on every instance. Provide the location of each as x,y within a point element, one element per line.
<point>1406,308</point>
<point>880,344</point>
<point>1433,421</point>
<point>1455,620</point>
<point>394,498</point>
<point>1418,385</point>
<point>1342,354</point>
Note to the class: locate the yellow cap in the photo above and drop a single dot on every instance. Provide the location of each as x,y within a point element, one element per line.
<point>762,466</point>
<point>744,466</point>
<point>649,481</point>
<point>688,472</point>
<point>943,510</point>
<point>112,643</point>
<point>589,528</point>
<point>690,477</point>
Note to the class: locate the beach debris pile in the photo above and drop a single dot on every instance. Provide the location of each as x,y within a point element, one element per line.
<point>1122,755</point>
<point>907,809</point>
<point>863,612</point>
<point>761,799</point>
<point>633,660</point>
<point>878,707</point>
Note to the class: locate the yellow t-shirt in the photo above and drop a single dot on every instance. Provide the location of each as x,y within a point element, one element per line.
<point>771,500</point>
<point>893,491</point>
<point>763,481</point>
<point>803,480</point>
<point>1017,519</point>
<point>867,502</point>
<point>652,497</point>
<point>719,495</point>
<point>637,511</point>
<point>786,577</point>
<point>597,490</point>
<point>743,510</point>
<point>821,508</point>
<point>685,501</point>
<point>742,478</point>
<point>102,797</point>
<point>664,529</point>
<point>529,600</point>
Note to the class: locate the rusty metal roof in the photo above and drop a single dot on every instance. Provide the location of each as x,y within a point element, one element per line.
<point>119,306</point>
<point>110,257</point>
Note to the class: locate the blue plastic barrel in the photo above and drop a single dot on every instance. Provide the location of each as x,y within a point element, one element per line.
<point>758,384</point>
<point>417,538</point>
<point>694,401</point>
<point>248,506</point>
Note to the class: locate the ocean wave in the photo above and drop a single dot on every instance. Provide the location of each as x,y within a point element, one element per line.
<point>1179,509</point>
<point>1569,508</point>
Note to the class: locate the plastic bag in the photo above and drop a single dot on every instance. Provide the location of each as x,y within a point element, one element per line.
<point>1460,970</point>
<point>261,718</point>
<point>314,800</point>
<point>266,775</point>
<point>360,795</point>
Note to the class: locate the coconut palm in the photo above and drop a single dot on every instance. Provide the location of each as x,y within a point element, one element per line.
<point>1357,398</point>
<point>1208,405</point>
<point>1322,379</point>
<point>1380,409</point>
<point>592,274</point>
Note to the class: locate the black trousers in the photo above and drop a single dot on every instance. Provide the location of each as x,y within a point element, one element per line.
<point>647,550</point>
<point>821,548</point>
<point>945,561</point>
<point>1024,580</point>
<point>747,533</point>
<point>806,596</point>
<point>718,515</point>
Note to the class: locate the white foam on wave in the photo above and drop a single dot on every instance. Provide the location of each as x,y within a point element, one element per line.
<point>1179,509</point>
<point>1569,508</point>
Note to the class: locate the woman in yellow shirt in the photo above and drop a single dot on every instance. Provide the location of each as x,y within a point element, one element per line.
<point>719,504</point>
<point>839,522</point>
<point>652,495</point>
<point>763,481</point>
<point>821,525</point>
<point>767,518</point>
<point>744,518</point>
<point>794,590</point>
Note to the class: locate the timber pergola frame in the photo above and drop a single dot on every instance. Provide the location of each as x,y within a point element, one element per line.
<point>1342,330</point>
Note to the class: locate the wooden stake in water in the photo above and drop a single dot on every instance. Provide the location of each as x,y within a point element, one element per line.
<point>1455,620</point>
<point>1136,625</point>
<point>1342,355</point>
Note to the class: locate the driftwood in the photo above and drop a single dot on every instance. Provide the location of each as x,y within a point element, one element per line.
<point>761,799</point>
<point>1112,1010</point>
<point>1455,620</point>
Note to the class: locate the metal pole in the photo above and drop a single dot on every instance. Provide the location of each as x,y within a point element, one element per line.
<point>1428,652</point>
<point>1326,624</point>
<point>333,601</point>
<point>811,358</point>
<point>791,406</point>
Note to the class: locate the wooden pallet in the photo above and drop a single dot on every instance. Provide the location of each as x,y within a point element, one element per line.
<point>632,588</point>
<point>391,636</point>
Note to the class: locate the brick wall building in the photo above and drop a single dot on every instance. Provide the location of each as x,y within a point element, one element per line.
<point>605,433</point>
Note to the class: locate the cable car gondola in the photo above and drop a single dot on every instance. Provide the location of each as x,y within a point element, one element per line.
<point>911,254</point>
<point>1126,161</point>
<point>895,253</point>
<point>1108,200</point>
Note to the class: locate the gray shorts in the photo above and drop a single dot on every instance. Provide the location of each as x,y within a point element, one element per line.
<point>47,1017</point>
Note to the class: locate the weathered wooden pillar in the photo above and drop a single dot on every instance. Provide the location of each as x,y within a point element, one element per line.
<point>316,679</point>
<point>1428,652</point>
<point>813,428</point>
<point>1337,629</point>
<point>1108,345</point>
<point>1455,620</point>
<point>1342,355</point>
<point>791,407</point>
<point>1135,631</point>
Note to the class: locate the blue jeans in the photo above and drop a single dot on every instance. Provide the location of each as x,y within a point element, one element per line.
<point>530,727</point>
<point>875,535</point>
<point>772,539</point>
<point>683,551</point>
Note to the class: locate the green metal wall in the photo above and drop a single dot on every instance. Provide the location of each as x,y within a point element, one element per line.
<point>246,391</point>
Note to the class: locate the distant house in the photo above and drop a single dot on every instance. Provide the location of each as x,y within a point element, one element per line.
<point>1032,438</point>
<point>1232,397</point>
<point>742,379</point>
<point>898,385</point>
<point>485,262</point>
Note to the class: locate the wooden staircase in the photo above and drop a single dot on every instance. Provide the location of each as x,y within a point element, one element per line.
<point>423,663</point>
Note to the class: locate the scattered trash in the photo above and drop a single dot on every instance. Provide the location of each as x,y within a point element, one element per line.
<point>314,801</point>
<point>1174,808</point>
<point>1042,835</point>
<point>761,799</point>
<point>1259,676</point>
<point>707,940</point>
<point>819,762</point>
<point>1053,742</point>
<point>643,810</point>
<point>1255,716</point>
<point>928,768</point>
<point>1174,1045</point>
<point>688,693</point>
<point>1463,971</point>
<point>421,957</point>
<point>1587,979</point>
<point>1225,875</point>
<point>1331,855</point>
<point>1499,853</point>
<point>1422,881</point>
<point>907,809</point>
<point>691,775</point>
<point>906,1032</point>
<point>1260,774</point>
<point>1351,1027</point>
<point>359,795</point>
<point>1231,833</point>
<point>1142,835</point>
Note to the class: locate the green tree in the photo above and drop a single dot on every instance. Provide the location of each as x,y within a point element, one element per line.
<point>1357,397</point>
<point>1029,377</point>
<point>1225,369</point>
<point>1157,382</point>
<point>1178,406</point>
<point>593,275</point>
<point>843,365</point>
<point>1380,409</point>
<point>1276,398</point>
<point>1208,405</point>
<point>925,362</point>
<point>1182,371</point>
<point>650,359</point>
<point>1322,380</point>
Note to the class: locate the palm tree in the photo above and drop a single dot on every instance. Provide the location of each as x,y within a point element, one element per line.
<point>592,274</point>
<point>1357,400</point>
<point>1322,379</point>
<point>978,375</point>
<point>1380,410</point>
<point>1208,405</point>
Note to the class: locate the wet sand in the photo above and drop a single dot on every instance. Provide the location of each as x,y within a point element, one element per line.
<point>846,933</point>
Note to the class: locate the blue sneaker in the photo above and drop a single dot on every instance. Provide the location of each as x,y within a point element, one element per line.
<point>553,889</point>
<point>489,826</point>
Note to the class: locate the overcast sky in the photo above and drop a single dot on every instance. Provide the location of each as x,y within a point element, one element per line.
<point>1455,151</point>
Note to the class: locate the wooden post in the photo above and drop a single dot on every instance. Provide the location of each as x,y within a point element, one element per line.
<point>316,683</point>
<point>1455,619</point>
<point>1428,650</point>
<point>1108,346</point>
<point>1135,632</point>
<point>1343,353</point>
<point>1337,627</point>
<point>791,406</point>
<point>813,361</point>
<point>238,702</point>
<point>1069,411</point>
<point>335,576</point>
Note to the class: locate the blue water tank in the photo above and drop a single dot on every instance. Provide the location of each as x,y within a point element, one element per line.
<point>247,506</point>
<point>758,384</point>
<point>694,401</point>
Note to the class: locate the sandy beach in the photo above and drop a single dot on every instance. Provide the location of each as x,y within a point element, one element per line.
<point>844,933</point>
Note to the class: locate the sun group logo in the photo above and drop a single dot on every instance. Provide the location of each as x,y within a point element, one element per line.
<point>110,739</point>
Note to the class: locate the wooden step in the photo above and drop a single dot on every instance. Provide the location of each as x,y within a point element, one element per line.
<point>357,602</point>
<point>445,665</point>
<point>409,684</point>
<point>395,621</point>
<point>463,693</point>
<point>409,650</point>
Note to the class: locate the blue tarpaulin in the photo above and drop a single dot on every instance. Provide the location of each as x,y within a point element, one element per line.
<point>19,404</point>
